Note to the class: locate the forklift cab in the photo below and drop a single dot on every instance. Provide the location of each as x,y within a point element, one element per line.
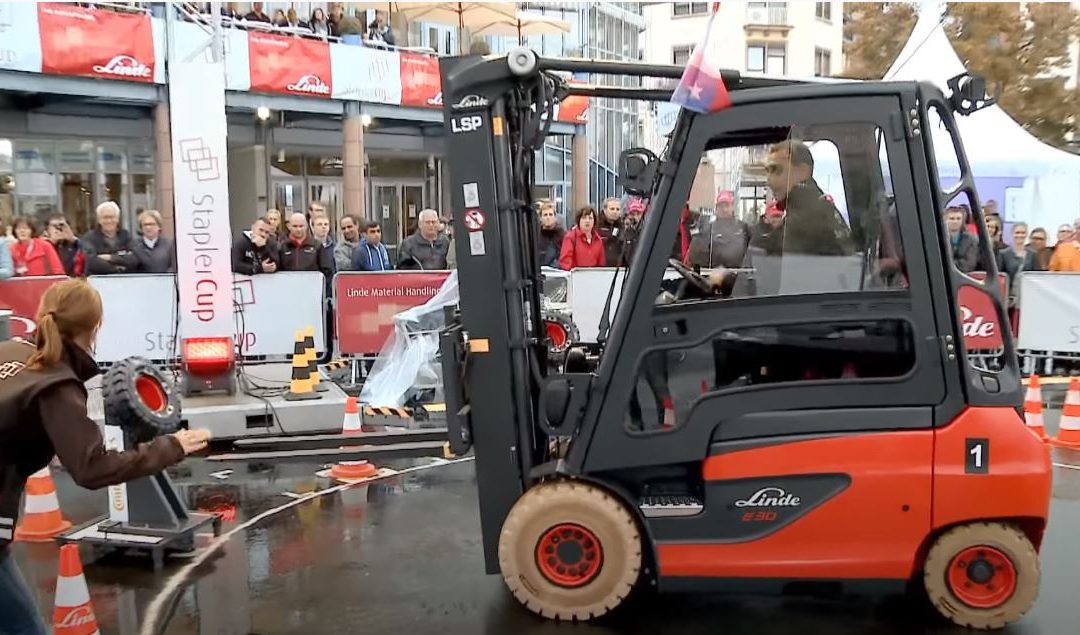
<point>811,415</point>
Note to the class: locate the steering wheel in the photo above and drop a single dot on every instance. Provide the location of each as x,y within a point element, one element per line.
<point>694,278</point>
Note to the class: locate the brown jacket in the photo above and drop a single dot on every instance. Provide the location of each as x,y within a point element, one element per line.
<point>43,413</point>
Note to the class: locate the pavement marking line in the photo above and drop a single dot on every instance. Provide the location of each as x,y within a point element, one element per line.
<point>176,582</point>
<point>1067,466</point>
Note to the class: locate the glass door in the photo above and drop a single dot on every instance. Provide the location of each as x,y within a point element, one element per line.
<point>328,193</point>
<point>288,197</point>
<point>385,209</point>
<point>412,197</point>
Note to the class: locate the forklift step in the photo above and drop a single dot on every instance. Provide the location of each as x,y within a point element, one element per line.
<point>662,506</point>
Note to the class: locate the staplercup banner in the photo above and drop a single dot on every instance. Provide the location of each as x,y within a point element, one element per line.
<point>366,303</point>
<point>21,296</point>
<point>289,65</point>
<point>96,43</point>
<point>192,41</point>
<point>365,74</point>
<point>201,186</point>
<point>421,84</point>
<point>1050,312</point>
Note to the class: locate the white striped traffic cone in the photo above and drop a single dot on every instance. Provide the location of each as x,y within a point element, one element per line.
<point>73,615</point>
<point>1068,435</point>
<point>42,520</point>
<point>1033,408</point>
<point>351,426</point>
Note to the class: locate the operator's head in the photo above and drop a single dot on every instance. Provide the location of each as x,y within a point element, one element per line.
<point>373,233</point>
<point>954,220</point>
<point>725,204</point>
<point>108,218</point>
<point>350,228</point>
<point>585,219</point>
<point>69,310</point>
<point>428,224</point>
<point>788,164</point>
<point>150,224</point>
<point>612,209</point>
<point>547,215</point>
<point>297,226</point>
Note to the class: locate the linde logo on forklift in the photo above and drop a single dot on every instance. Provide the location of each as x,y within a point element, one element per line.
<point>470,123</point>
<point>770,497</point>
<point>469,102</point>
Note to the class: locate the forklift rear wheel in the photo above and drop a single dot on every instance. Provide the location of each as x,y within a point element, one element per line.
<point>569,550</point>
<point>982,575</point>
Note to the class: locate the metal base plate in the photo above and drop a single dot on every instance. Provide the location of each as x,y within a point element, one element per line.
<point>103,532</point>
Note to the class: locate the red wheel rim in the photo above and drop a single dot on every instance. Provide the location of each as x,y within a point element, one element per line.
<point>982,577</point>
<point>151,393</point>
<point>556,333</point>
<point>569,555</point>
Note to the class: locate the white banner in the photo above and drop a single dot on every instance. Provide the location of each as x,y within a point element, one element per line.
<point>365,74</point>
<point>118,500</point>
<point>191,39</point>
<point>274,307</point>
<point>1050,312</point>
<point>201,183</point>
<point>20,39</point>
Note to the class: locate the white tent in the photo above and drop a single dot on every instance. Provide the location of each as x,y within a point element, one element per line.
<point>996,145</point>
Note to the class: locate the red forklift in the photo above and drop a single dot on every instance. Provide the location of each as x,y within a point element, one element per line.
<point>811,417</point>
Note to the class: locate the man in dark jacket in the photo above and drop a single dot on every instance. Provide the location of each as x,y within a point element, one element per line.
<point>67,246</point>
<point>108,247</point>
<point>723,242</point>
<point>964,247</point>
<point>156,253</point>
<point>252,251</point>
<point>300,252</point>
<point>612,231</point>
<point>550,238</point>
<point>812,224</point>
<point>427,248</point>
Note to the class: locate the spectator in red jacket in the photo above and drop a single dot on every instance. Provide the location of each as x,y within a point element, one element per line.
<point>33,256</point>
<point>582,246</point>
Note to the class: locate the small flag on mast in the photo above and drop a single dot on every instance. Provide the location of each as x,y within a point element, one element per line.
<point>701,88</point>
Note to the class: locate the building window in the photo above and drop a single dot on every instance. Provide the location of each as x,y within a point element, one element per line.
<point>823,11</point>
<point>680,9</point>
<point>772,13</point>
<point>770,59</point>
<point>680,55</point>
<point>822,62</point>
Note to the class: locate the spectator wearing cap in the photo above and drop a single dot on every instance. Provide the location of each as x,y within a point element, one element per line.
<point>768,234</point>
<point>723,242</point>
<point>582,246</point>
<point>635,213</point>
<point>611,231</point>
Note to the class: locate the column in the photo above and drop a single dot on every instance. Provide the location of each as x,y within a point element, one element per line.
<point>352,154</point>
<point>163,195</point>
<point>579,161</point>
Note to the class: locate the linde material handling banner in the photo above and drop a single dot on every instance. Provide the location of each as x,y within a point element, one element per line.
<point>201,184</point>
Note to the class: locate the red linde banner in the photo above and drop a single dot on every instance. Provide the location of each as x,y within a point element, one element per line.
<point>289,65</point>
<point>421,84</point>
<point>365,305</point>
<point>982,331</point>
<point>96,43</point>
<point>21,296</point>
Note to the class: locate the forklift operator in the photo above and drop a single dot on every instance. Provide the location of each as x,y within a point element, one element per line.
<point>43,413</point>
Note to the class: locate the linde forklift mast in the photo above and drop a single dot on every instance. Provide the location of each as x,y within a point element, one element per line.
<point>887,476</point>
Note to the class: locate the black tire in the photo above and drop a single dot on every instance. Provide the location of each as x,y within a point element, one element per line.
<point>140,399</point>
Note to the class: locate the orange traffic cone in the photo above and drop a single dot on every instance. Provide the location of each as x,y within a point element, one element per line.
<point>42,520</point>
<point>352,470</point>
<point>1068,435</point>
<point>1033,408</point>
<point>73,614</point>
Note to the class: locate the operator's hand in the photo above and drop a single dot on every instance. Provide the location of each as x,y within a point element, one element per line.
<point>192,440</point>
<point>268,266</point>
<point>716,278</point>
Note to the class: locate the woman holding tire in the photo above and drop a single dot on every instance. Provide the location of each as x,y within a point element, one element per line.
<point>43,413</point>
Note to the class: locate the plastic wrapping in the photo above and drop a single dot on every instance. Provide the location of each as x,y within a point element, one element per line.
<point>409,360</point>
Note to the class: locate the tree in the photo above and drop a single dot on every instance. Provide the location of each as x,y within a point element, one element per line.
<point>1024,51</point>
<point>874,33</point>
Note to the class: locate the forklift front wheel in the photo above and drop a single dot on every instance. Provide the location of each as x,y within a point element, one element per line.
<point>982,575</point>
<point>569,550</point>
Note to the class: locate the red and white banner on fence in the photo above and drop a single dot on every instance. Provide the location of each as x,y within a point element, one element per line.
<point>366,303</point>
<point>22,296</point>
<point>289,65</point>
<point>96,43</point>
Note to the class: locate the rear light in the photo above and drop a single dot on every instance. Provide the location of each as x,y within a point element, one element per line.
<point>208,355</point>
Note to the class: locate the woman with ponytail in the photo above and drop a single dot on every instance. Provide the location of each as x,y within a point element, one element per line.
<point>43,414</point>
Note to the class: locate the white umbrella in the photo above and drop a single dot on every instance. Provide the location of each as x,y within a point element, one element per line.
<point>463,15</point>
<point>523,25</point>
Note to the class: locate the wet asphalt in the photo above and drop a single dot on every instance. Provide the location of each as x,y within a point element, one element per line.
<point>404,556</point>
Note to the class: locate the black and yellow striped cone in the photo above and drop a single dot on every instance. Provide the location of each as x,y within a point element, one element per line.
<point>301,386</point>
<point>313,362</point>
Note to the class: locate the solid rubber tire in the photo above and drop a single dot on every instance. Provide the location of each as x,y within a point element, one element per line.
<point>1004,537</point>
<point>124,407</point>
<point>553,503</point>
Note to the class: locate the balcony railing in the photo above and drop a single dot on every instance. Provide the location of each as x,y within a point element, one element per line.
<point>767,15</point>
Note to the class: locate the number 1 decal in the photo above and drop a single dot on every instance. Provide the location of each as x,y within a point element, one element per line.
<point>977,456</point>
